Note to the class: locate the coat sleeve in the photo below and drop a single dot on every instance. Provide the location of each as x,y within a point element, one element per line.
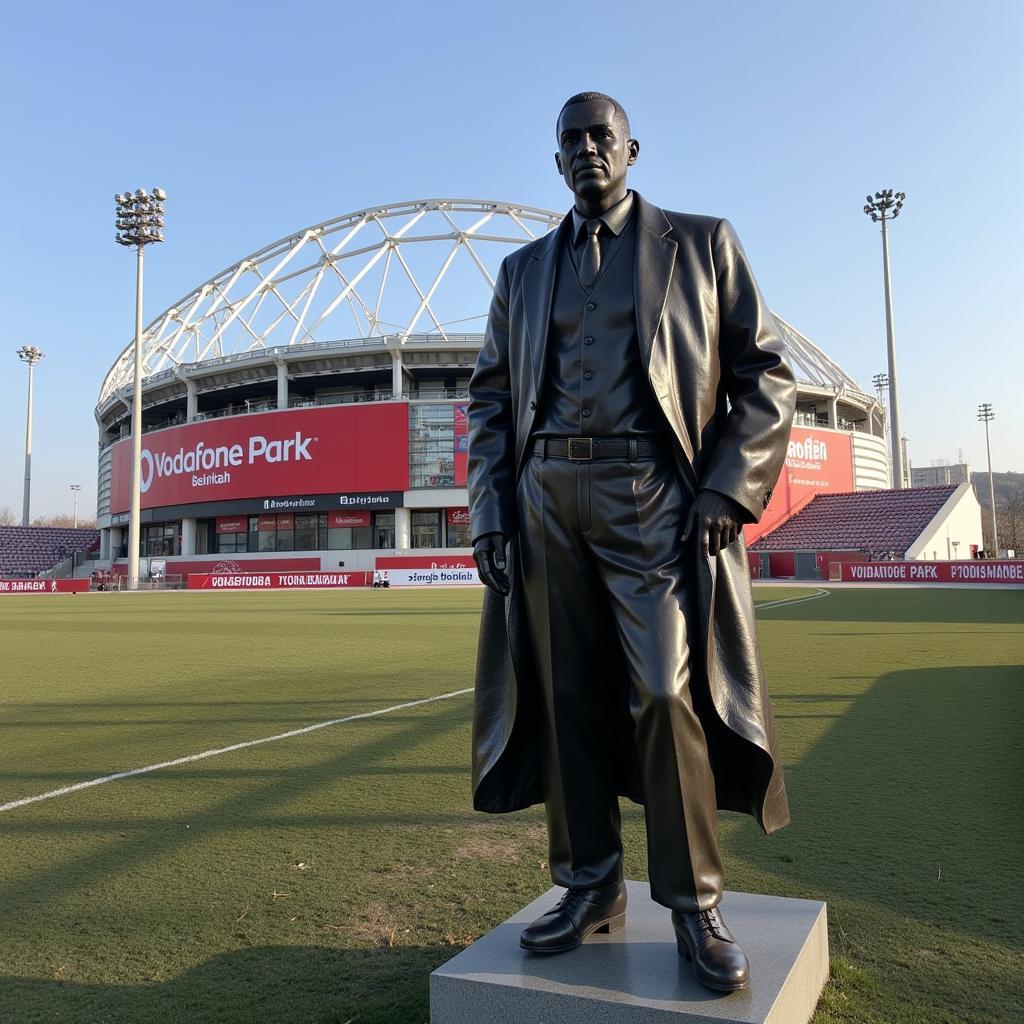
<point>491,463</point>
<point>762,391</point>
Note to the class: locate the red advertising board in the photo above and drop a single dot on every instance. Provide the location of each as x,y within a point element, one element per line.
<point>320,450</point>
<point>339,520</point>
<point>277,580</point>
<point>43,586</point>
<point>458,517</point>
<point>461,445</point>
<point>232,524</point>
<point>228,564</point>
<point>818,462</point>
<point>425,562</point>
<point>979,571</point>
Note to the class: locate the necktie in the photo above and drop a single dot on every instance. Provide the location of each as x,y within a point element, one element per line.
<point>590,264</point>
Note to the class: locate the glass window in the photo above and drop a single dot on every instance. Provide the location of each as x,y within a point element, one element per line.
<point>340,538</point>
<point>285,540</point>
<point>160,540</point>
<point>267,540</point>
<point>460,535</point>
<point>426,529</point>
<point>231,543</point>
<point>384,529</point>
<point>431,445</point>
<point>305,532</point>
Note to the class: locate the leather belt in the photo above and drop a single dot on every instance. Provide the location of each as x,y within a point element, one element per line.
<point>592,449</point>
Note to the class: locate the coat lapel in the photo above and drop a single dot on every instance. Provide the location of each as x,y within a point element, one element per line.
<point>652,274</point>
<point>538,289</point>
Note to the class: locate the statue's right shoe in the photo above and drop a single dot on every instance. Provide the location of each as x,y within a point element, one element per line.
<point>718,961</point>
<point>579,913</point>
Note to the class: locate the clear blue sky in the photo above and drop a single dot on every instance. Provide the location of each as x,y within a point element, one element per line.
<point>262,118</point>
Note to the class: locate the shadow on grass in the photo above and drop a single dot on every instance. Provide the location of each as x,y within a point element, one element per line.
<point>913,605</point>
<point>282,984</point>
<point>420,727</point>
<point>911,801</point>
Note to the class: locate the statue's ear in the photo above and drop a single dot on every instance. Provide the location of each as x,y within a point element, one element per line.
<point>634,151</point>
<point>558,163</point>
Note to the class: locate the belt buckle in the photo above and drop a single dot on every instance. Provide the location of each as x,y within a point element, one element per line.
<point>588,445</point>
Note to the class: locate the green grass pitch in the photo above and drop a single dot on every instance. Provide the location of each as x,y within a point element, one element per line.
<point>319,879</point>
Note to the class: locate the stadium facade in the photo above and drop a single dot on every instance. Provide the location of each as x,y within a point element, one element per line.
<point>306,407</point>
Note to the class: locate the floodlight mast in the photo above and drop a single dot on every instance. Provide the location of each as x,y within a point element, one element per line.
<point>31,355</point>
<point>884,206</point>
<point>75,488</point>
<point>139,221</point>
<point>986,414</point>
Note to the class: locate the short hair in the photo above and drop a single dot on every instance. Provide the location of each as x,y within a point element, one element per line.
<point>586,97</point>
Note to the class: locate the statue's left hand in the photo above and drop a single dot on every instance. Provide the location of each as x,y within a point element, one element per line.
<point>717,519</point>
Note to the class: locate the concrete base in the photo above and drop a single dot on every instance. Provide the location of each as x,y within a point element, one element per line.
<point>636,976</point>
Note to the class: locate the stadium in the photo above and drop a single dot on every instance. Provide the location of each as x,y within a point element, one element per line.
<point>305,408</point>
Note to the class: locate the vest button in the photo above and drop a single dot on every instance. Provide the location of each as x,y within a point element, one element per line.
<point>588,340</point>
<point>591,305</point>
<point>586,412</point>
<point>587,375</point>
<point>533,405</point>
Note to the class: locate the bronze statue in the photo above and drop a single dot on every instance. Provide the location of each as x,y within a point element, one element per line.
<point>629,412</point>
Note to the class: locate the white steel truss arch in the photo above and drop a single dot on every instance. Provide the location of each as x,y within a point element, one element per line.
<point>422,267</point>
<point>385,267</point>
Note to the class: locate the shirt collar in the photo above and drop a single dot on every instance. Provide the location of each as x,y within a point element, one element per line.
<point>614,219</point>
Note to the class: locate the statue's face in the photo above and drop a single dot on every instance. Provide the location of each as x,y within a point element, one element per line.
<point>594,155</point>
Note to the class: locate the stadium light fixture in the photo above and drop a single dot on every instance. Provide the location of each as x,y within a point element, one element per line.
<point>986,415</point>
<point>31,355</point>
<point>75,488</point>
<point>139,220</point>
<point>884,206</point>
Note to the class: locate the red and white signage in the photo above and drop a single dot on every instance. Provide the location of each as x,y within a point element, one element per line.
<point>277,580</point>
<point>232,524</point>
<point>43,586</point>
<point>341,520</point>
<point>321,450</point>
<point>425,562</point>
<point>979,571</point>
<point>458,517</point>
<point>228,564</point>
<point>817,462</point>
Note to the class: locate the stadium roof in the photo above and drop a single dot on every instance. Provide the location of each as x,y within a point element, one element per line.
<point>421,267</point>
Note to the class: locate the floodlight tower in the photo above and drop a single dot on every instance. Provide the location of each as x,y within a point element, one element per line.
<point>986,415</point>
<point>886,206</point>
<point>31,355</point>
<point>140,220</point>
<point>75,488</point>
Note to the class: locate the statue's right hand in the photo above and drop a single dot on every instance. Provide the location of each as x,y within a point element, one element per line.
<point>489,555</point>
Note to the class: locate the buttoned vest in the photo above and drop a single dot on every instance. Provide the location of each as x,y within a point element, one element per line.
<point>595,383</point>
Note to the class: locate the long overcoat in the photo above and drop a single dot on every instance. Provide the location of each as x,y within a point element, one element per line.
<point>715,360</point>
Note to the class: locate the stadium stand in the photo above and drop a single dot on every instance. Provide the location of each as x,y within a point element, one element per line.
<point>26,551</point>
<point>883,524</point>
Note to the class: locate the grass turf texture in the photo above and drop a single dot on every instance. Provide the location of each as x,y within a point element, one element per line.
<point>321,878</point>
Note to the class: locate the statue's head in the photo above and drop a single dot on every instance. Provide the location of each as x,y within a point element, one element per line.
<point>595,151</point>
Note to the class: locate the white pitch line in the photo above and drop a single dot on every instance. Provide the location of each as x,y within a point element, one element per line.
<point>780,603</point>
<point>225,750</point>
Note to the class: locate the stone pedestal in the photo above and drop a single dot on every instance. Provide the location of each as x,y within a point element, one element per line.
<point>635,976</point>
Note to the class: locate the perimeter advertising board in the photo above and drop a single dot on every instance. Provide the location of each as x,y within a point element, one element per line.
<point>429,570</point>
<point>43,586</point>
<point>980,571</point>
<point>817,462</point>
<point>320,450</point>
<point>276,580</point>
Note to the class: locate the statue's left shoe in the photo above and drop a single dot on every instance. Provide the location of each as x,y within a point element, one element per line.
<point>718,961</point>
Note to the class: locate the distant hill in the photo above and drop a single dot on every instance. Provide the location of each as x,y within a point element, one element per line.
<point>1009,489</point>
<point>1006,485</point>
